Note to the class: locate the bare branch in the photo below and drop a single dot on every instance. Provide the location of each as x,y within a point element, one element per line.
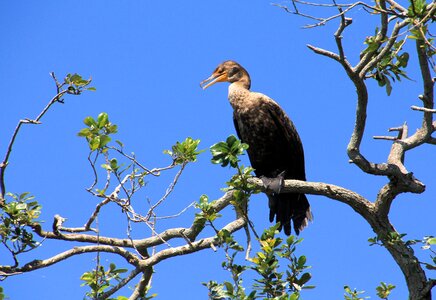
<point>182,233</point>
<point>96,212</point>
<point>343,9</point>
<point>397,6</point>
<point>430,110</point>
<point>5,161</point>
<point>191,247</point>
<point>178,214</point>
<point>323,52</point>
<point>382,137</point>
<point>167,192</point>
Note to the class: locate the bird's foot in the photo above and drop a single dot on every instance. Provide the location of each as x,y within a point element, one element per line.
<point>274,184</point>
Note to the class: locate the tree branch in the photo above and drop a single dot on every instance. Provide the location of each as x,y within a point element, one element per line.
<point>191,247</point>
<point>5,161</point>
<point>141,287</point>
<point>120,284</point>
<point>359,203</point>
<point>39,264</point>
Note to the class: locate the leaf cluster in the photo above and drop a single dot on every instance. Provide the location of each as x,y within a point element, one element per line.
<point>208,212</point>
<point>98,132</point>
<point>275,283</point>
<point>392,237</point>
<point>239,181</point>
<point>271,282</point>
<point>228,152</point>
<point>391,66</point>
<point>16,216</point>
<point>76,84</point>
<point>384,290</point>
<point>353,294</point>
<point>417,9</point>
<point>100,280</point>
<point>428,242</point>
<point>185,152</point>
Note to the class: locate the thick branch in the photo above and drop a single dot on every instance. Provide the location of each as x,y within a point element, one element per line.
<point>39,264</point>
<point>359,203</point>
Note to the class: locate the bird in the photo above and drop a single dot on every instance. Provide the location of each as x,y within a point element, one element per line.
<point>274,149</point>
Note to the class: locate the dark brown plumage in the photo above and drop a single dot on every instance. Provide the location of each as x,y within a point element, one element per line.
<point>275,148</point>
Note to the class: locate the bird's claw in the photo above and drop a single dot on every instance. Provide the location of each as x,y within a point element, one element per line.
<point>274,184</point>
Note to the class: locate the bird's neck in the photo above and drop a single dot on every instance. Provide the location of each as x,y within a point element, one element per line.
<point>239,94</point>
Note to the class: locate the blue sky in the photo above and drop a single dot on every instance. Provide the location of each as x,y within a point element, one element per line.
<point>146,59</point>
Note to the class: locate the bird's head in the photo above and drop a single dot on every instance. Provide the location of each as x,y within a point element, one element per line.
<point>228,71</point>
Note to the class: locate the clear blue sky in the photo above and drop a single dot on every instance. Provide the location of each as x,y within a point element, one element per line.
<point>146,59</point>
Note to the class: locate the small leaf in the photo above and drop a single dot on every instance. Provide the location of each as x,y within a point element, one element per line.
<point>102,119</point>
<point>431,241</point>
<point>90,121</point>
<point>104,139</point>
<point>94,143</point>
<point>84,132</point>
<point>120,143</point>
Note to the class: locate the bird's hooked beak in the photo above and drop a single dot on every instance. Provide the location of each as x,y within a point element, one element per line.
<point>216,77</point>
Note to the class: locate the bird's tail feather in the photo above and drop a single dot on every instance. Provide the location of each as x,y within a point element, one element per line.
<point>287,207</point>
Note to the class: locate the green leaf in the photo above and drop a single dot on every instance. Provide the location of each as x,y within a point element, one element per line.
<point>94,143</point>
<point>84,132</point>
<point>93,89</point>
<point>229,287</point>
<point>431,241</point>
<point>104,140</point>
<point>301,261</point>
<point>106,167</point>
<point>305,278</point>
<point>102,119</point>
<point>388,86</point>
<point>119,143</point>
<point>90,121</point>
<point>403,59</point>
<point>75,78</point>
<point>21,206</point>
<point>114,163</point>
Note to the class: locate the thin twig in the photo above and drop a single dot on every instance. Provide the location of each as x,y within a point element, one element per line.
<point>381,137</point>
<point>167,192</point>
<point>178,214</point>
<point>5,161</point>
<point>430,110</point>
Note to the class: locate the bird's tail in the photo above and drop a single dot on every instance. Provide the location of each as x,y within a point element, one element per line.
<point>287,207</point>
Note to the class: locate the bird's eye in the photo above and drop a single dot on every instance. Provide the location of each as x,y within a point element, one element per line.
<point>233,71</point>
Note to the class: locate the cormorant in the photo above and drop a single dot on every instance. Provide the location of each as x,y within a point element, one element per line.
<point>275,150</point>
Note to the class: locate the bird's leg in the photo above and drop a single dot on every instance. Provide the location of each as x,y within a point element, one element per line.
<point>274,184</point>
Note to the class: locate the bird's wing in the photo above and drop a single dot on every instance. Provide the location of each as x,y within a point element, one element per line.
<point>290,140</point>
<point>235,122</point>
